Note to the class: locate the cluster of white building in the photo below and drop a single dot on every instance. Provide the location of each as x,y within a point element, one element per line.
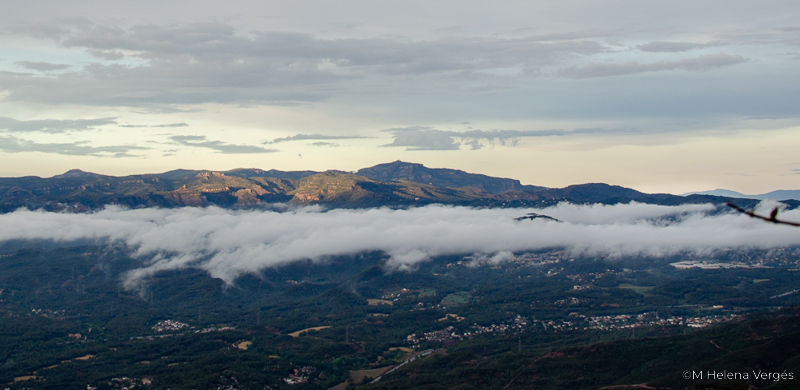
<point>449,333</point>
<point>169,325</point>
<point>629,321</point>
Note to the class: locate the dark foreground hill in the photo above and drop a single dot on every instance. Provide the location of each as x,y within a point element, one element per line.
<point>396,184</point>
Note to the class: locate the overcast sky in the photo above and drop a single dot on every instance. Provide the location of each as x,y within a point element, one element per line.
<point>659,96</point>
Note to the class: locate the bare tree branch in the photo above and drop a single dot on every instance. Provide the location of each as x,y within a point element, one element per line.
<point>773,216</point>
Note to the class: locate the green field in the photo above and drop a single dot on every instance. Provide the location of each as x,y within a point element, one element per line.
<point>456,299</point>
<point>427,292</point>
<point>643,290</point>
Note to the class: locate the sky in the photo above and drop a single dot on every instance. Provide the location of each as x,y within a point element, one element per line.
<point>671,97</point>
<point>231,243</point>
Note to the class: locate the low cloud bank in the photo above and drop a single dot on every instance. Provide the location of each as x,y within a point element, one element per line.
<point>229,243</point>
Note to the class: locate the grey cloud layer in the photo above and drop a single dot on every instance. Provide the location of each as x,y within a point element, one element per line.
<point>152,65</point>
<point>53,125</point>
<point>14,144</point>
<point>11,144</point>
<point>156,126</point>
<point>314,137</point>
<point>423,138</point>
<point>229,243</point>
<point>698,64</point>
<point>42,66</point>
<point>674,47</point>
<point>200,141</point>
<point>521,61</point>
<point>428,138</point>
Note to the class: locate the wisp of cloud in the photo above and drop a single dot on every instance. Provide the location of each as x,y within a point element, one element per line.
<point>230,243</point>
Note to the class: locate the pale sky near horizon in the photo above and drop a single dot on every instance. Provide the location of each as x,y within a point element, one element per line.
<point>659,96</point>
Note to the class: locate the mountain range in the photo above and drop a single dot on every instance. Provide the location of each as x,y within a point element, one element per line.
<point>550,317</point>
<point>396,184</point>
<point>773,195</point>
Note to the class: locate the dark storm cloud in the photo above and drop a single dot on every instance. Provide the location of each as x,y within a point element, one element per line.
<point>199,141</point>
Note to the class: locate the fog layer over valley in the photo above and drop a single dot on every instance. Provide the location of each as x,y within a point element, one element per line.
<point>230,243</point>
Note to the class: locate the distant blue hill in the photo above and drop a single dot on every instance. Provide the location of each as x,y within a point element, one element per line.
<point>774,195</point>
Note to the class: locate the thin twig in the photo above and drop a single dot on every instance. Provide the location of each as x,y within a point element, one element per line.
<point>773,217</point>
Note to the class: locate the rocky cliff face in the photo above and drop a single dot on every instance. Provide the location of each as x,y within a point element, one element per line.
<point>452,178</point>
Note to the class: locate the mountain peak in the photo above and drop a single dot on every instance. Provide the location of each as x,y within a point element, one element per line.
<point>441,177</point>
<point>773,195</point>
<point>397,165</point>
<point>75,174</point>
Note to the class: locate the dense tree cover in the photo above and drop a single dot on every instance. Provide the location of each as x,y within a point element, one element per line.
<point>65,319</point>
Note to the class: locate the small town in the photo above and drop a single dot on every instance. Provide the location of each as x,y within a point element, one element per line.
<point>581,322</point>
<point>715,265</point>
<point>630,321</point>
<point>169,325</point>
<point>449,333</point>
<point>125,383</point>
<point>299,376</point>
<point>513,261</point>
<point>172,325</point>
